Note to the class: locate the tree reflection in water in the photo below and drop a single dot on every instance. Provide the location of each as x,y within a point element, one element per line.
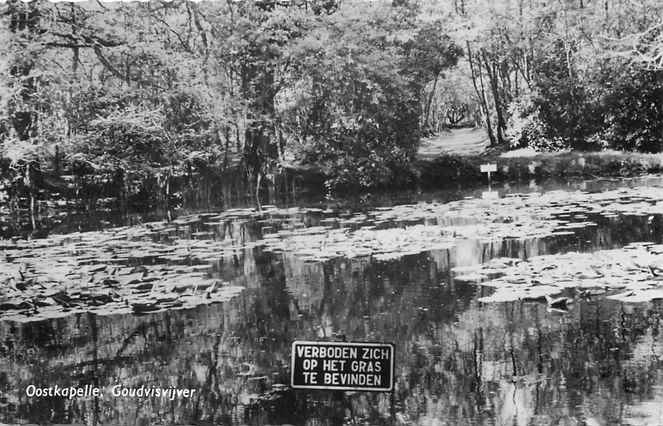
<point>458,361</point>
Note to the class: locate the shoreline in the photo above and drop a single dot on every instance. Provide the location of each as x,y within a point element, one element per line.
<point>574,164</point>
<point>444,171</point>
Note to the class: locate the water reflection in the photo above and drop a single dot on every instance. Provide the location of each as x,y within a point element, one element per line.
<point>458,361</point>
<point>210,196</point>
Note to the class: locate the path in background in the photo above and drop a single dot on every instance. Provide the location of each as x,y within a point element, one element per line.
<point>466,141</point>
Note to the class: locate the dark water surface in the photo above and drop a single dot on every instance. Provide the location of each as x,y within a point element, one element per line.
<point>377,270</point>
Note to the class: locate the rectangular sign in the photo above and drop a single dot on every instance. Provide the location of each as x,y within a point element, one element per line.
<point>342,366</point>
<point>490,167</point>
<point>490,195</point>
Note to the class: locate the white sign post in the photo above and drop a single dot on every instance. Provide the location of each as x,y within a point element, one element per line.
<point>488,168</point>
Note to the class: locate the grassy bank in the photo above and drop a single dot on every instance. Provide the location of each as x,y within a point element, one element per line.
<point>449,168</point>
<point>211,186</point>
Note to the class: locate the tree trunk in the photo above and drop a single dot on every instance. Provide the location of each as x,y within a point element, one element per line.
<point>258,203</point>
<point>493,79</point>
<point>226,135</point>
<point>429,102</point>
<point>481,93</point>
<point>491,70</point>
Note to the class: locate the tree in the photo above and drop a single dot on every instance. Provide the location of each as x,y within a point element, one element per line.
<point>353,104</point>
<point>430,52</point>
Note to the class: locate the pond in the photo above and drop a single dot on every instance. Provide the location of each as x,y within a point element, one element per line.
<point>539,307</point>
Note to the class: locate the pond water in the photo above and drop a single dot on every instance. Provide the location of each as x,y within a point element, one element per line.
<point>540,307</point>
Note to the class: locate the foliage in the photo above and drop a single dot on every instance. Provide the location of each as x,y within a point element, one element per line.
<point>632,107</point>
<point>454,103</point>
<point>527,128</point>
<point>563,100</point>
<point>616,104</point>
<point>247,81</point>
<point>431,51</point>
<point>343,87</point>
<point>562,69</point>
<point>356,103</point>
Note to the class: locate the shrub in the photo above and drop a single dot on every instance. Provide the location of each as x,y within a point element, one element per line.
<point>527,129</point>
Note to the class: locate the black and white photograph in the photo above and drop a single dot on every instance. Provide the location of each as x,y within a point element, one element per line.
<point>331,212</point>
